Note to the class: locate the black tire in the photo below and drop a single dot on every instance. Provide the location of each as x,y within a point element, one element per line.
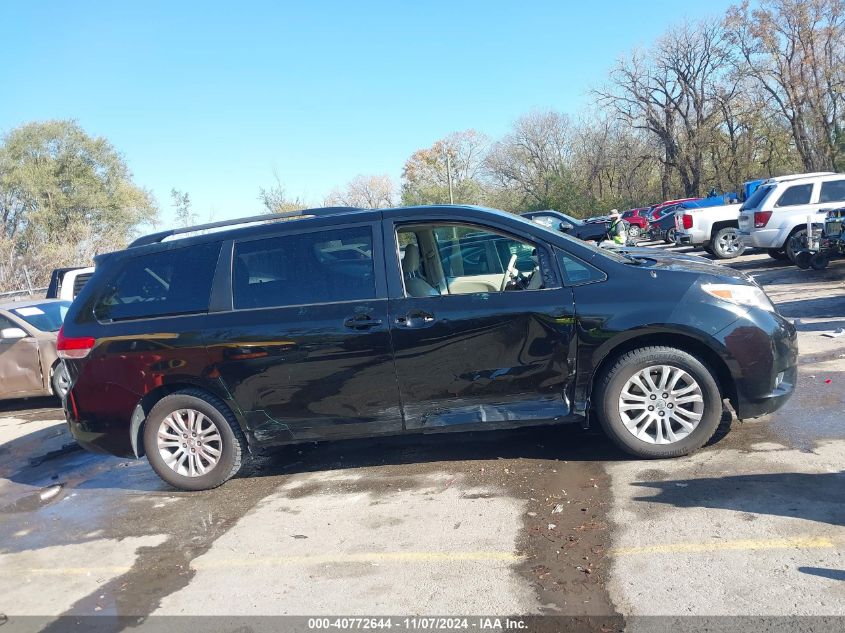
<point>802,259</point>
<point>233,443</point>
<point>708,249</point>
<point>727,243</point>
<point>610,385</point>
<point>670,236</point>
<point>819,261</point>
<point>777,253</point>
<point>795,243</point>
<point>59,381</point>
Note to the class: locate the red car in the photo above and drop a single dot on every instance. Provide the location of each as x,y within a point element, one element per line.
<point>637,220</point>
<point>657,210</point>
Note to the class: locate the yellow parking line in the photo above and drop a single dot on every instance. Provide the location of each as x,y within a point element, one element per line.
<point>280,561</point>
<point>365,557</point>
<point>805,542</point>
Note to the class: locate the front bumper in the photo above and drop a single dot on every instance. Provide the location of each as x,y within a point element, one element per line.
<point>762,350</point>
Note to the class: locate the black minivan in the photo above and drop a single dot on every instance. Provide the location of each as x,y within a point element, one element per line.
<point>193,346</point>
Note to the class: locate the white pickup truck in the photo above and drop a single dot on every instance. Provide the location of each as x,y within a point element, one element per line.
<point>715,228</point>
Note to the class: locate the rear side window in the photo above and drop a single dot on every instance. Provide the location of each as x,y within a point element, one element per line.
<point>756,199</point>
<point>832,191</point>
<point>167,283</point>
<point>795,195</point>
<point>321,267</point>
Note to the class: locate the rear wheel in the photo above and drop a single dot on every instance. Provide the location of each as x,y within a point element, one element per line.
<point>777,253</point>
<point>708,249</point>
<point>193,441</point>
<point>670,236</point>
<point>727,243</point>
<point>795,243</point>
<point>658,402</point>
<point>634,230</point>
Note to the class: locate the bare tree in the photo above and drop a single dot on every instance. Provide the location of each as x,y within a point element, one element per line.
<point>534,157</point>
<point>675,94</point>
<point>795,49</point>
<point>365,192</point>
<point>459,156</point>
<point>274,199</point>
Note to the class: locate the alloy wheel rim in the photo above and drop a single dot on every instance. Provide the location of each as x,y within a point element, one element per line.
<point>189,443</point>
<point>63,382</point>
<point>729,243</point>
<point>661,404</point>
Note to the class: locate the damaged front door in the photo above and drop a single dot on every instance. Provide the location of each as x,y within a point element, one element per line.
<point>20,368</point>
<point>484,333</point>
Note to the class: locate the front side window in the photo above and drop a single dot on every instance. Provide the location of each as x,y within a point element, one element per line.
<point>320,267</point>
<point>463,259</point>
<point>165,283</point>
<point>832,191</point>
<point>795,195</point>
<point>577,272</point>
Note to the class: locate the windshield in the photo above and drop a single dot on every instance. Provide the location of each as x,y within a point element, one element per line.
<point>756,198</point>
<point>47,317</point>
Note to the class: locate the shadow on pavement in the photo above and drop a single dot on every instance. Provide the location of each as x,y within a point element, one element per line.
<point>824,572</point>
<point>815,497</point>
<point>822,307</point>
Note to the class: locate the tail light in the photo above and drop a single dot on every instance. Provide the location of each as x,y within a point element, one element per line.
<point>71,348</point>
<point>687,219</point>
<point>761,218</point>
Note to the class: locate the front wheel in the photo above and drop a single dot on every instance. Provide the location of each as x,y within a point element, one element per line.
<point>819,261</point>
<point>193,441</point>
<point>634,230</point>
<point>60,381</point>
<point>727,243</point>
<point>657,402</point>
<point>670,236</point>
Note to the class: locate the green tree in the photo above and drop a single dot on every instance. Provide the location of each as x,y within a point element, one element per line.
<point>64,197</point>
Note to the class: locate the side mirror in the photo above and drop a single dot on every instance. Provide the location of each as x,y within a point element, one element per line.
<point>565,226</point>
<point>12,333</point>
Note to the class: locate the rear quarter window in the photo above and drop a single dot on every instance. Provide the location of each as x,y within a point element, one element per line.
<point>165,283</point>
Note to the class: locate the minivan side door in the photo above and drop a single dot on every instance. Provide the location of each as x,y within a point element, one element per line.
<point>472,344</point>
<point>305,348</point>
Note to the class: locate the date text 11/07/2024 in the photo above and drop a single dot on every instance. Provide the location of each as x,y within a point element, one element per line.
<point>482,623</point>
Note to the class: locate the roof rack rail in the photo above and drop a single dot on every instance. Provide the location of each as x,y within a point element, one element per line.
<point>155,238</point>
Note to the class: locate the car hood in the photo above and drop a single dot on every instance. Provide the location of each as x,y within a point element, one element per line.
<point>698,265</point>
<point>661,255</point>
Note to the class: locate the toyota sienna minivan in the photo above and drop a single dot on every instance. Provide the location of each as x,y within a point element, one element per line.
<point>194,346</point>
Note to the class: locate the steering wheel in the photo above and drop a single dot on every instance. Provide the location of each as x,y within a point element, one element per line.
<point>510,273</point>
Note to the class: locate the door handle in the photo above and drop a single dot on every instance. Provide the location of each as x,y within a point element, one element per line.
<point>416,318</point>
<point>361,322</point>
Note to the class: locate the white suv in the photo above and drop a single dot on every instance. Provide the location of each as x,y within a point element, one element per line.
<point>775,216</point>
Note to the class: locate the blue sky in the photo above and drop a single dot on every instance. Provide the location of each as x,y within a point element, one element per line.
<point>214,97</point>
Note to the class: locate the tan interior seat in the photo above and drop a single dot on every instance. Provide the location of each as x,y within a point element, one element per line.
<point>415,284</point>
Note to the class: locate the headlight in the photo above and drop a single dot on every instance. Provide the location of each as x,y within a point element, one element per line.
<point>742,295</point>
